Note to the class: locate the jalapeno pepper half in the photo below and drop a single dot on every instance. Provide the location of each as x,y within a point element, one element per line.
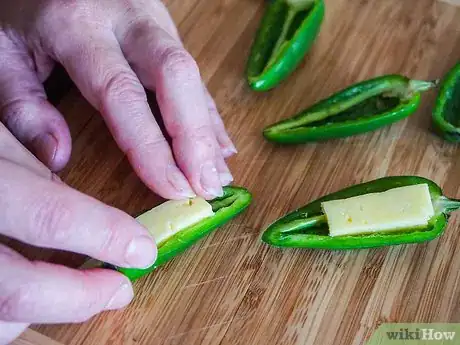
<point>446,113</point>
<point>234,201</point>
<point>286,33</point>
<point>363,107</point>
<point>306,227</point>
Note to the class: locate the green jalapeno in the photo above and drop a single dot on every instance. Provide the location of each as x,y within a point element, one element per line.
<point>286,33</point>
<point>446,113</point>
<point>234,201</point>
<point>363,107</point>
<point>307,227</point>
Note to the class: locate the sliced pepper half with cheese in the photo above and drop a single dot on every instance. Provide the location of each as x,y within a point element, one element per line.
<point>178,224</point>
<point>388,211</point>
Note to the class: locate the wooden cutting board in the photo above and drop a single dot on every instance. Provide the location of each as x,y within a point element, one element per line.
<point>232,289</point>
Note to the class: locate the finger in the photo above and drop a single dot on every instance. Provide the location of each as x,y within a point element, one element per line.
<point>164,66</point>
<point>9,331</point>
<point>101,72</point>
<point>32,292</point>
<point>25,110</point>
<point>44,65</point>
<point>225,143</point>
<point>225,175</point>
<point>52,215</point>
<point>12,150</point>
<point>164,20</point>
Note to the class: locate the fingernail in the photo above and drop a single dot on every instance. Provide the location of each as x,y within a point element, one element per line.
<point>141,252</point>
<point>45,147</point>
<point>121,298</point>
<point>225,178</point>
<point>229,150</point>
<point>180,183</point>
<point>210,181</point>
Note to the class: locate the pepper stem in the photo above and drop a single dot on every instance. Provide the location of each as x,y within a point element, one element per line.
<point>447,205</point>
<point>420,86</point>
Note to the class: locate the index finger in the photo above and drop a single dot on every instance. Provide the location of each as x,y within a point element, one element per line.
<point>42,213</point>
<point>34,291</point>
<point>104,77</point>
<point>165,66</point>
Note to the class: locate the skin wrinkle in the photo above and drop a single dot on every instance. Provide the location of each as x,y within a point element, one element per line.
<point>15,302</point>
<point>49,216</point>
<point>21,117</point>
<point>71,231</point>
<point>19,299</point>
<point>21,99</point>
<point>143,138</point>
<point>14,153</point>
<point>14,112</point>
<point>183,79</point>
<point>94,40</point>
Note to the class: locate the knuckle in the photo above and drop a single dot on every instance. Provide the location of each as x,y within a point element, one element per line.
<point>138,27</point>
<point>179,64</point>
<point>90,301</point>
<point>61,15</point>
<point>155,145</point>
<point>60,20</point>
<point>12,304</point>
<point>122,86</point>
<point>110,239</point>
<point>202,133</point>
<point>200,137</point>
<point>51,218</point>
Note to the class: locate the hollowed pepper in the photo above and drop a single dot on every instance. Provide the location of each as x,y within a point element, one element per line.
<point>307,227</point>
<point>362,107</point>
<point>446,113</point>
<point>287,31</point>
<point>234,201</point>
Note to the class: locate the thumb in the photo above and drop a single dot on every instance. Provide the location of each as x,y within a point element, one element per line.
<point>25,110</point>
<point>9,331</point>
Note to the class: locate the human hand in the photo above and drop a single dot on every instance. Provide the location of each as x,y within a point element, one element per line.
<point>112,49</point>
<point>38,209</point>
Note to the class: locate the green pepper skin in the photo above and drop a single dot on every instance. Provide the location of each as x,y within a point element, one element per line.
<point>446,112</point>
<point>362,107</point>
<point>265,68</point>
<point>291,231</point>
<point>234,201</point>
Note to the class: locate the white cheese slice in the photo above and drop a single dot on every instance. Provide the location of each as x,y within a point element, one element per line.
<point>397,208</point>
<point>172,216</point>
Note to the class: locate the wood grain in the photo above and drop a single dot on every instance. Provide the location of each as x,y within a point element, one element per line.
<point>232,289</point>
<point>452,2</point>
<point>31,337</point>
